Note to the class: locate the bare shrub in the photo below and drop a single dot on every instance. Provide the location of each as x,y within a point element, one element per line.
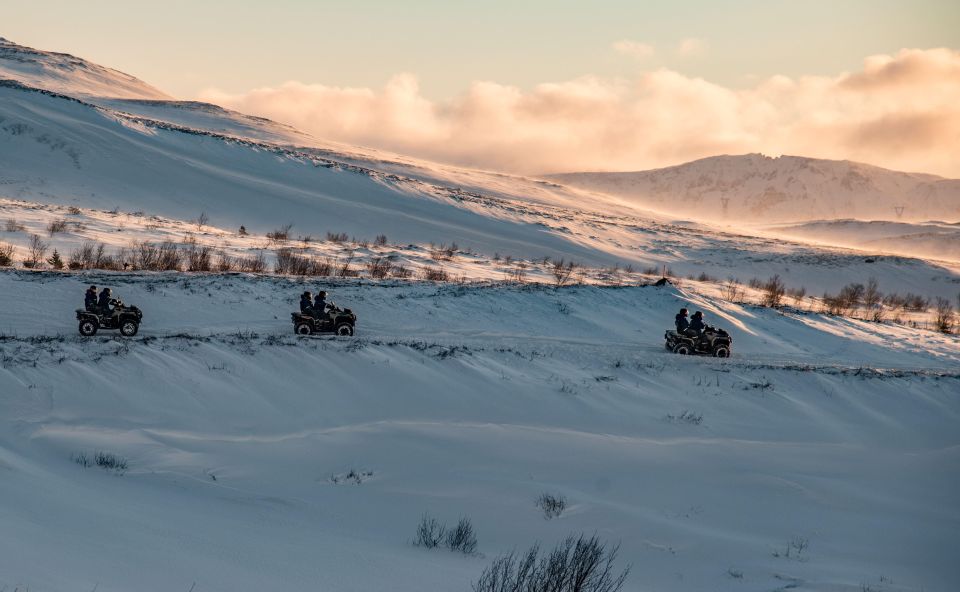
<point>732,291</point>
<point>111,462</point>
<point>12,225</point>
<point>755,283</point>
<point>6,255</point>
<point>337,237</point>
<point>430,533</point>
<point>280,234</point>
<point>73,211</point>
<point>224,262</point>
<point>401,271</point>
<point>797,295</point>
<point>56,226</point>
<point>703,277</point>
<point>255,264</point>
<point>378,268</point>
<point>435,274</point>
<point>198,257</point>
<point>578,564</point>
<point>325,267</point>
<point>851,296</point>
<point>773,291</point>
<point>36,252</point>
<point>562,270</point>
<point>168,257</point>
<point>344,269</point>
<point>202,221</point>
<point>915,302</point>
<point>381,240</point>
<point>518,273</point>
<point>551,505</point>
<point>943,316</point>
<point>462,538</point>
<point>872,295</point>
<point>242,231</point>
<point>290,262</point>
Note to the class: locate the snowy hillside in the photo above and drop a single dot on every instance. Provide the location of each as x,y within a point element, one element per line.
<point>930,240</point>
<point>828,439</point>
<point>64,73</point>
<point>757,188</point>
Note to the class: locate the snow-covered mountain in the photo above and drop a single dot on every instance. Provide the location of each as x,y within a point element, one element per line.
<point>64,73</point>
<point>758,188</point>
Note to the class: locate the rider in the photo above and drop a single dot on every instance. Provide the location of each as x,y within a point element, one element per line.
<point>681,321</point>
<point>105,301</point>
<point>320,305</point>
<point>306,303</point>
<point>90,299</point>
<point>696,325</point>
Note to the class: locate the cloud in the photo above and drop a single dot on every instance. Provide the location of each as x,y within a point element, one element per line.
<point>901,111</point>
<point>634,49</point>
<point>691,47</point>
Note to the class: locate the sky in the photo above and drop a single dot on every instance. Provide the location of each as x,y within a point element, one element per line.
<point>548,78</point>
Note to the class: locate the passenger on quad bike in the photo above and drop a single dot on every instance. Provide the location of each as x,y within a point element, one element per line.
<point>306,303</point>
<point>681,321</point>
<point>90,299</point>
<point>696,326</point>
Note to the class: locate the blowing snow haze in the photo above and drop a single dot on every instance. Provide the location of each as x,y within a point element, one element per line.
<point>507,386</point>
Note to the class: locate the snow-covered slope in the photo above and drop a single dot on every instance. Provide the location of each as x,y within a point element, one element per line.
<point>837,435</point>
<point>70,75</point>
<point>930,240</point>
<point>757,188</point>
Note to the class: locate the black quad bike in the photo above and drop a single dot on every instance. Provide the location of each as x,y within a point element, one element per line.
<point>713,342</point>
<point>125,318</point>
<point>339,321</point>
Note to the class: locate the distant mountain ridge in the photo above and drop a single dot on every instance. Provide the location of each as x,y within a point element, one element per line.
<point>758,188</point>
<point>70,75</point>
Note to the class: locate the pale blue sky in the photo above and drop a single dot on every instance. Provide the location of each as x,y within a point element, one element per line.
<point>184,46</point>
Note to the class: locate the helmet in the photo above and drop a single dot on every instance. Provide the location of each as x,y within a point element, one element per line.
<point>306,294</point>
<point>92,288</point>
<point>322,293</point>
<point>683,311</point>
<point>108,290</point>
<point>698,314</point>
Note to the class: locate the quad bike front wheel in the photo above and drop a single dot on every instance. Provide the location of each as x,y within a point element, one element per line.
<point>129,328</point>
<point>88,328</point>
<point>344,330</point>
<point>683,349</point>
<point>721,351</point>
<point>302,329</point>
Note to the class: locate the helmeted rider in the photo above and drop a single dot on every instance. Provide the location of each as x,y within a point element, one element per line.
<point>105,301</point>
<point>681,321</point>
<point>90,299</point>
<point>306,303</point>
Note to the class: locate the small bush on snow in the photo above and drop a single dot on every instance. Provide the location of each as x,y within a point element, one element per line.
<point>578,564</point>
<point>551,505</point>
<point>430,532</point>
<point>462,538</point>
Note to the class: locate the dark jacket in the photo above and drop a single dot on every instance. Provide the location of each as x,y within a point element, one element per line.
<point>305,305</point>
<point>696,324</point>
<point>103,302</point>
<point>319,305</point>
<point>682,323</point>
<point>90,299</point>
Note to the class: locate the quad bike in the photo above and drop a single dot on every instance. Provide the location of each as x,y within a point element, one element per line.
<point>336,320</point>
<point>713,342</point>
<point>125,318</point>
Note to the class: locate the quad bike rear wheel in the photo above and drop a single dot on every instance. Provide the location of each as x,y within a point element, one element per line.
<point>303,329</point>
<point>88,327</point>
<point>683,349</point>
<point>344,330</point>
<point>129,328</point>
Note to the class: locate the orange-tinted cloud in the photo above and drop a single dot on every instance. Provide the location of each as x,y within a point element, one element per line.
<point>900,111</point>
